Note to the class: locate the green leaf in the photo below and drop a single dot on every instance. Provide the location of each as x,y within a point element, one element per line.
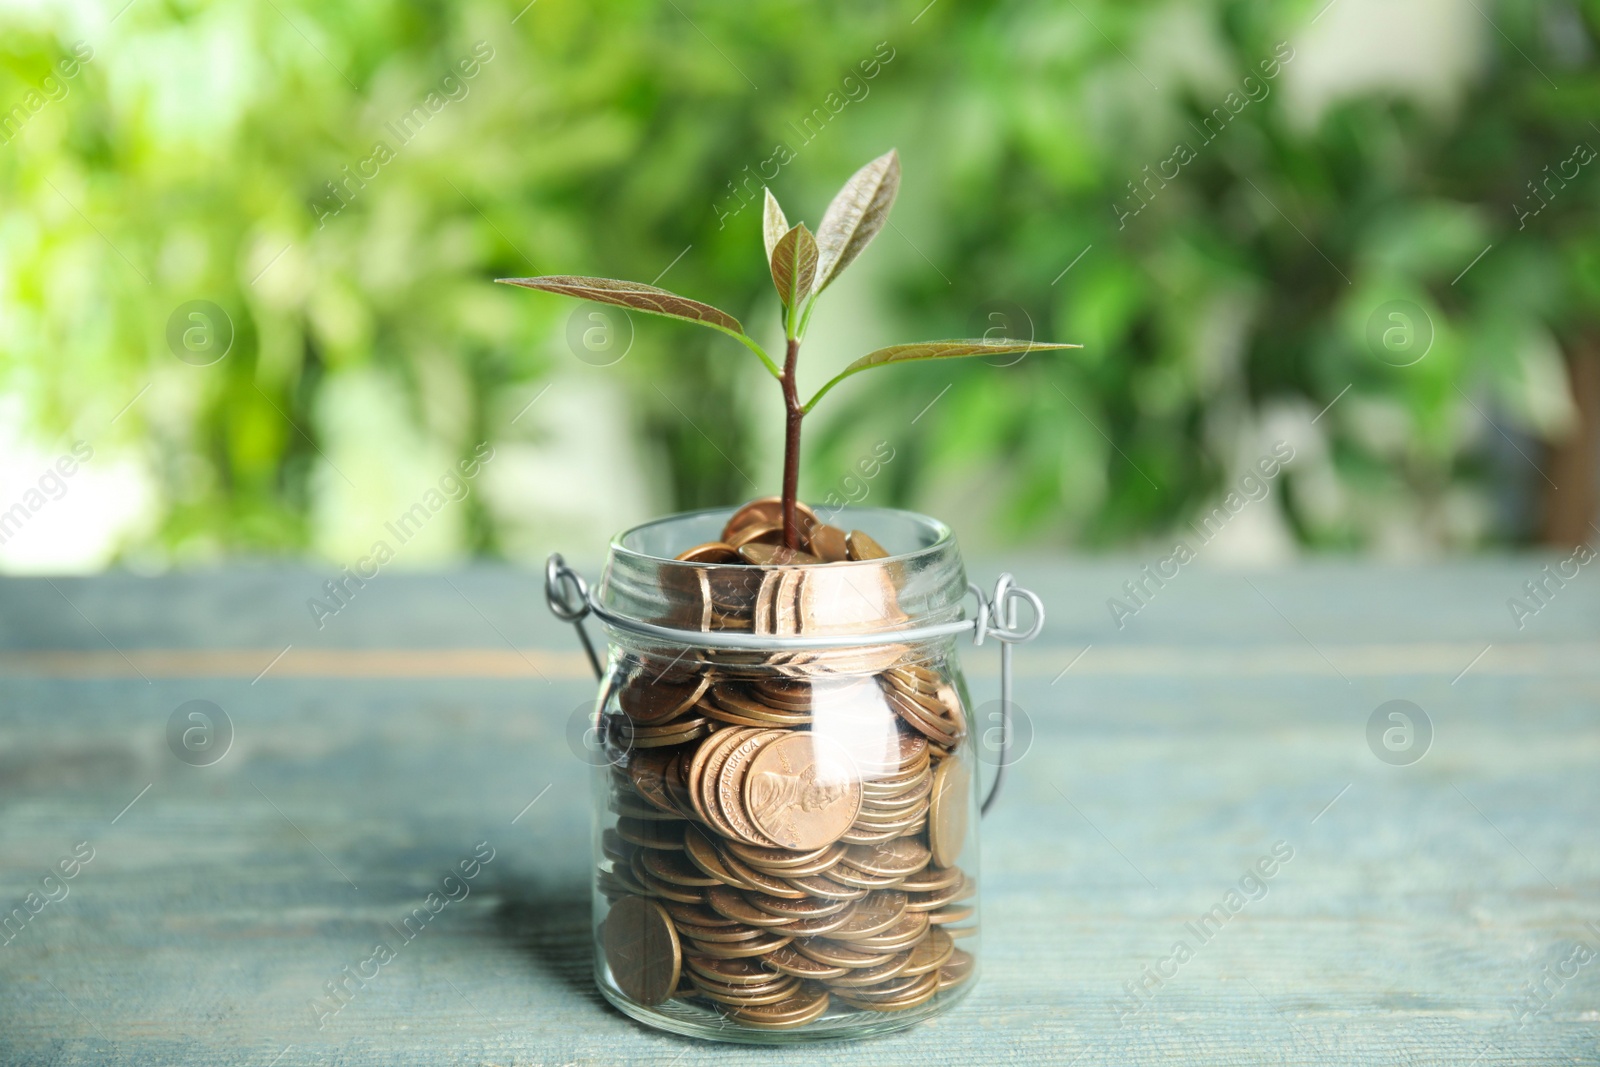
<point>935,350</point>
<point>856,215</point>
<point>794,266</point>
<point>641,297</point>
<point>773,224</point>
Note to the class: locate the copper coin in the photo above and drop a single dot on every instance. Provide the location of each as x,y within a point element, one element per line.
<point>930,953</point>
<point>760,881</point>
<point>845,874</point>
<point>958,970</point>
<point>710,552</point>
<point>789,961</point>
<point>675,867</point>
<point>630,805</point>
<point>769,510</point>
<point>719,935</point>
<point>755,946</point>
<point>642,950</point>
<point>816,925</point>
<point>782,988</point>
<point>828,543</point>
<point>912,927</point>
<point>802,791</point>
<point>840,955</point>
<point>775,556</point>
<point>861,547</point>
<point>872,975</point>
<point>613,847</point>
<point>805,1006</point>
<point>947,814</point>
<point>887,989</point>
<point>756,533</point>
<point>695,773</point>
<point>731,903</point>
<point>926,988</point>
<point>694,914</point>
<point>822,886</point>
<point>651,834</point>
<point>945,916</point>
<point>648,699</point>
<point>807,908</point>
<point>647,772</point>
<point>938,898</point>
<point>711,776</point>
<point>734,972</point>
<point>877,912</point>
<point>697,846</point>
<point>932,879</point>
<point>782,862</point>
<point>731,797</point>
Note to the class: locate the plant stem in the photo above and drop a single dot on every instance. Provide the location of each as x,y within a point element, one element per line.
<point>794,412</point>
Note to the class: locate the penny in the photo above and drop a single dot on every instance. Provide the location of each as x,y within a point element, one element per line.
<point>958,970</point>
<point>770,994</point>
<point>651,834</point>
<point>756,533</point>
<point>861,547</point>
<point>872,975</point>
<point>887,989</point>
<point>759,881</point>
<point>730,786</point>
<point>719,935</point>
<point>630,805</point>
<point>732,904</point>
<point>710,552</point>
<point>694,914</point>
<point>947,812</point>
<point>807,908</point>
<point>816,925</point>
<point>932,879</point>
<point>647,773</point>
<point>911,928</point>
<point>938,898</point>
<point>828,543</point>
<point>698,729</point>
<point>756,946</point>
<point>845,874</point>
<point>930,953</point>
<point>697,846</point>
<point>801,791</point>
<point>768,510</point>
<point>657,888</point>
<point>647,698</point>
<point>827,888</point>
<point>763,555</point>
<point>945,916</point>
<point>695,773</point>
<point>879,911</point>
<point>789,961</point>
<point>783,862</point>
<point>804,1007</point>
<point>642,950</point>
<point>676,868</point>
<point>710,777</point>
<point>733,972</point>
<point>928,986</point>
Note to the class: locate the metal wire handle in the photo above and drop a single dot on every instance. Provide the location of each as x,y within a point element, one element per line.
<point>570,600</point>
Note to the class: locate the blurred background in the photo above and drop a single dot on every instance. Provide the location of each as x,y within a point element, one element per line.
<point>246,253</point>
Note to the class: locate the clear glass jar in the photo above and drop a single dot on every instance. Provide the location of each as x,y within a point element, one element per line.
<point>786,842</point>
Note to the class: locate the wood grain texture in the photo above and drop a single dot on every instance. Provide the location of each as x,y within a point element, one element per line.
<point>1226,716</point>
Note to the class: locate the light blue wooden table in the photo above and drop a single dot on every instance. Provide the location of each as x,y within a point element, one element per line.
<point>1419,906</point>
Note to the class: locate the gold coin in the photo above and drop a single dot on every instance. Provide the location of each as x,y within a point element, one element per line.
<point>947,814</point>
<point>802,791</point>
<point>710,552</point>
<point>930,953</point>
<point>755,946</point>
<point>789,961</point>
<point>877,912</point>
<point>958,970</point>
<point>805,1006</point>
<point>828,543</point>
<point>861,547</point>
<point>642,950</point>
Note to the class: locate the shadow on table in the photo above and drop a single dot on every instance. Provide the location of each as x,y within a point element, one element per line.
<point>552,923</point>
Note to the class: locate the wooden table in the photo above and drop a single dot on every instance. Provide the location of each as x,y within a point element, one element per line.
<point>1416,909</point>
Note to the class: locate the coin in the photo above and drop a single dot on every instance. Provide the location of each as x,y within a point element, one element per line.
<point>789,961</point>
<point>862,547</point>
<point>730,785</point>
<point>764,555</point>
<point>775,991</point>
<point>694,915</point>
<point>732,904</point>
<point>911,928</point>
<point>947,811</point>
<point>930,953</point>
<point>872,975</point>
<point>945,916</point>
<point>648,699</point>
<point>804,1007</point>
<point>840,955</point>
<point>879,911</point>
<point>733,972</point>
<point>697,846</point>
<point>932,879</point>
<point>828,543</point>
<point>806,908</point>
<point>756,533</point>
<point>675,868</point>
<point>783,862</point>
<point>667,835</point>
<point>827,888</point>
<point>801,791</point>
<point>926,988</point>
<point>755,946</point>
<point>768,510</point>
<point>710,552</point>
<point>642,950</point>
<point>958,970</point>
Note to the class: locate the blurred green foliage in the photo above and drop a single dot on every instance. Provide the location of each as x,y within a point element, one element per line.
<point>201,151</point>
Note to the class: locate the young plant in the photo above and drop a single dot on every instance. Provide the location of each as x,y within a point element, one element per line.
<point>802,266</point>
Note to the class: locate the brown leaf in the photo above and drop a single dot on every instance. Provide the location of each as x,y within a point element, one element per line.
<point>773,224</point>
<point>856,215</point>
<point>633,295</point>
<point>794,265</point>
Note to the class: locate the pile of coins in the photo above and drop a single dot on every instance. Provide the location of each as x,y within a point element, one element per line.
<point>788,825</point>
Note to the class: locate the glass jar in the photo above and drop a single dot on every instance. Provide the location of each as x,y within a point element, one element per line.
<point>785,841</point>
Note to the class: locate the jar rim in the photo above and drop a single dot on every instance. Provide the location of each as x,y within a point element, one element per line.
<point>942,539</point>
